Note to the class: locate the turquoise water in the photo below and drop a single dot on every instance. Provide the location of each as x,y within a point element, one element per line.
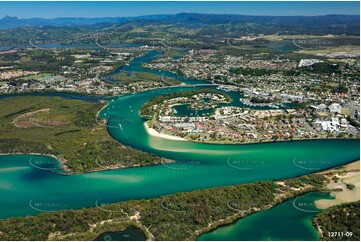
<point>291,220</point>
<point>136,66</point>
<point>131,233</point>
<point>184,111</point>
<point>29,185</point>
<point>27,189</point>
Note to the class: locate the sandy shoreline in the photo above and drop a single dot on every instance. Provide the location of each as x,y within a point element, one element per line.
<point>155,133</point>
<point>353,166</point>
<point>344,196</point>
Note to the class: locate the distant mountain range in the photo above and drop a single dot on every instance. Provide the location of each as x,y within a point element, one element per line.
<point>13,22</point>
<point>186,18</point>
<point>14,30</point>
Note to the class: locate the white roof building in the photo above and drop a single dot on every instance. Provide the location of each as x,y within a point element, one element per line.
<point>335,108</point>
<point>335,122</point>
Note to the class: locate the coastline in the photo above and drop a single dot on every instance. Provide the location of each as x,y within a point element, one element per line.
<point>154,133</point>
<point>234,218</point>
<point>238,216</point>
<point>172,137</point>
<point>346,195</point>
<point>321,204</point>
<point>59,159</point>
<point>348,174</point>
<point>68,172</point>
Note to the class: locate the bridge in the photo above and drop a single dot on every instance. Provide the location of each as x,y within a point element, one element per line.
<point>35,46</point>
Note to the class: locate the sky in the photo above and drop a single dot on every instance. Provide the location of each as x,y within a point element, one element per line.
<point>125,9</point>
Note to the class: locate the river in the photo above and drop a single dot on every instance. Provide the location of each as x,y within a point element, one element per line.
<point>291,220</point>
<point>28,185</point>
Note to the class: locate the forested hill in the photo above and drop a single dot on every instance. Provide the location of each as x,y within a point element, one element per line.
<point>9,22</point>
<point>193,26</point>
<point>335,24</point>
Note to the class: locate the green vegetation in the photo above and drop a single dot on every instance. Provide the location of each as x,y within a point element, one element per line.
<point>322,68</point>
<point>68,130</point>
<point>45,61</point>
<point>353,122</point>
<point>85,118</point>
<point>180,216</point>
<point>143,76</point>
<point>350,186</point>
<point>35,77</point>
<point>315,180</point>
<point>335,87</point>
<point>43,34</point>
<point>182,29</point>
<point>172,53</point>
<point>17,145</point>
<point>107,153</point>
<point>201,208</point>
<point>336,221</point>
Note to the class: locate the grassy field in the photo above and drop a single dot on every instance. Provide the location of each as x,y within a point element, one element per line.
<point>172,53</point>
<point>38,76</point>
<point>68,130</point>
